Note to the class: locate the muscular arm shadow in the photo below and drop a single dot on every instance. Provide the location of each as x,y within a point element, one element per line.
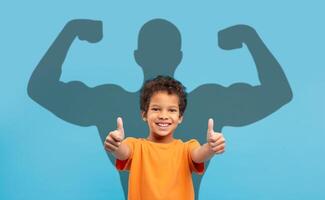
<point>239,104</point>
<point>75,102</point>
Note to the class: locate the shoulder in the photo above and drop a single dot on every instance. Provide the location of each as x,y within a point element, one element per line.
<point>135,141</point>
<point>207,88</point>
<point>109,88</point>
<point>240,87</point>
<point>131,140</point>
<point>192,144</point>
<point>216,89</point>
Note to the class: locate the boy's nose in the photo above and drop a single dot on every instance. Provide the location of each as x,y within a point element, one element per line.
<point>163,115</point>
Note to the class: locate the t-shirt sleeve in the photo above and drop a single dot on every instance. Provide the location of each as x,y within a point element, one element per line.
<point>195,167</point>
<point>125,164</point>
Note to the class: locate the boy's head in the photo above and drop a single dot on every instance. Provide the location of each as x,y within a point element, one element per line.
<point>165,84</point>
<point>163,102</point>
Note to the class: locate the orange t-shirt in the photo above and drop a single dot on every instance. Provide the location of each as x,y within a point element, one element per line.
<point>160,171</point>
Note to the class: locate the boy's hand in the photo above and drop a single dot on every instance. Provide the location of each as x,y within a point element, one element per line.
<point>216,141</point>
<point>114,138</point>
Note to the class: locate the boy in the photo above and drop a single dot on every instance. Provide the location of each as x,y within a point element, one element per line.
<point>161,166</point>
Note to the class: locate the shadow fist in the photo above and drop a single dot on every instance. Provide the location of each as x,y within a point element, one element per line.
<point>86,29</point>
<point>233,37</point>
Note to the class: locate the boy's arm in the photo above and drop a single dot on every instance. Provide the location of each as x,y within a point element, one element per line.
<point>113,142</point>
<point>215,145</point>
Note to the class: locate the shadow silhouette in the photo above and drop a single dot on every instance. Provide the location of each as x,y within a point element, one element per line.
<point>159,53</point>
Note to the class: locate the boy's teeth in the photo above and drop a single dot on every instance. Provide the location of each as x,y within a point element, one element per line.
<point>162,124</point>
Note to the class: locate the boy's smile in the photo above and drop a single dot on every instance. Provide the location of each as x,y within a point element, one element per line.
<point>163,117</point>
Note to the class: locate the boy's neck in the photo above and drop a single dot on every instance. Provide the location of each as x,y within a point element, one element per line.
<point>165,140</point>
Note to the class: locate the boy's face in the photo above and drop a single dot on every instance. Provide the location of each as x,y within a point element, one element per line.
<point>163,116</point>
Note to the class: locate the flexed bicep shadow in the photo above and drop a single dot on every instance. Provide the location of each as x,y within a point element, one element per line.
<point>158,53</point>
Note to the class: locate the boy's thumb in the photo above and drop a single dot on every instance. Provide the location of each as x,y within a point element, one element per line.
<point>210,125</point>
<point>120,126</point>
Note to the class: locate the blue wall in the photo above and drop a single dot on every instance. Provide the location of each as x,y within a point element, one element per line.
<point>279,157</point>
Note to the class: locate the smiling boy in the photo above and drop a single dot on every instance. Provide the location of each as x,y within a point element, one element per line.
<point>160,166</point>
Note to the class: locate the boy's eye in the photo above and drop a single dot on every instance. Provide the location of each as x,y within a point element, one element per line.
<point>173,110</point>
<point>155,109</point>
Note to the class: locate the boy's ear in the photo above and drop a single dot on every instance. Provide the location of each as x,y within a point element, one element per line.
<point>180,119</point>
<point>143,115</point>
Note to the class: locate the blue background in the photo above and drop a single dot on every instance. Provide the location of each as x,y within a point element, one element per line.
<point>280,157</point>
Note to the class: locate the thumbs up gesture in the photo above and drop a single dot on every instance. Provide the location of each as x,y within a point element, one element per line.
<point>216,141</point>
<point>114,138</point>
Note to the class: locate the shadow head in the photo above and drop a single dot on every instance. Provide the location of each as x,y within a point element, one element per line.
<point>159,47</point>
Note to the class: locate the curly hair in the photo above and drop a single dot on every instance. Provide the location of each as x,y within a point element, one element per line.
<point>165,84</point>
